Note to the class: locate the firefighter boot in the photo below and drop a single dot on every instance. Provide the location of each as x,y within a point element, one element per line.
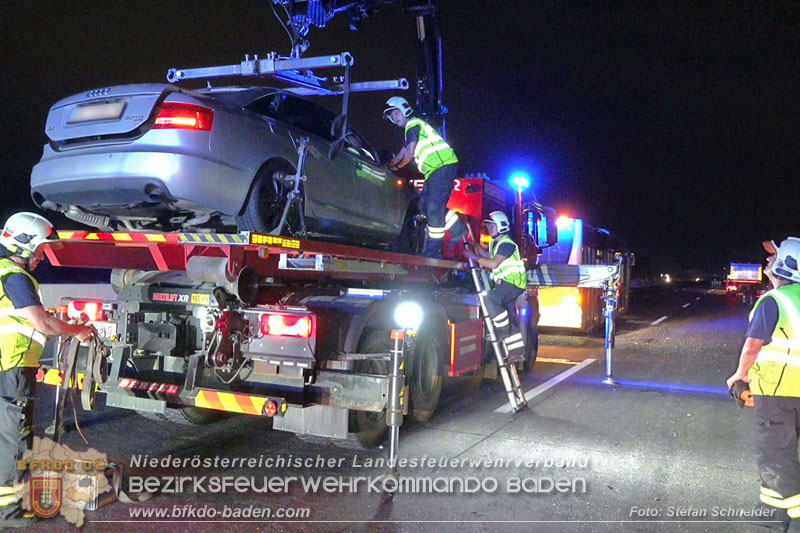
<point>458,231</point>
<point>433,249</point>
<point>515,346</point>
<point>769,517</point>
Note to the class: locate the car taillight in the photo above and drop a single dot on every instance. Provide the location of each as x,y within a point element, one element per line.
<point>176,115</point>
<point>92,309</point>
<point>278,325</point>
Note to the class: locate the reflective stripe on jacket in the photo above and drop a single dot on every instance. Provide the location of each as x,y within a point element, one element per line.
<point>512,269</point>
<point>432,152</point>
<point>776,371</point>
<point>20,343</point>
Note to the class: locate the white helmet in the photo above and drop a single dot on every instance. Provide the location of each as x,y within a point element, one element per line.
<point>397,102</point>
<point>786,262</point>
<point>499,219</point>
<point>24,233</point>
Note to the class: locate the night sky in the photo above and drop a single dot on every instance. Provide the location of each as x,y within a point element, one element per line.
<point>674,126</point>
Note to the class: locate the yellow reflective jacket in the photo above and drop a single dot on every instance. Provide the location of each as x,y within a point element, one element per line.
<point>776,371</point>
<point>432,152</point>
<point>512,269</point>
<point>20,343</point>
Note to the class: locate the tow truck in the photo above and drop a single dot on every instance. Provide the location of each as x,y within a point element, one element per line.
<point>297,330</point>
<point>325,339</point>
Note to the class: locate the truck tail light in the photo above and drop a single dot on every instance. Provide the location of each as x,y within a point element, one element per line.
<point>92,309</point>
<point>180,116</point>
<point>280,325</point>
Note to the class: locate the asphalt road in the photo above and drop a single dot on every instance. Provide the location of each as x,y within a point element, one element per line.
<point>664,450</point>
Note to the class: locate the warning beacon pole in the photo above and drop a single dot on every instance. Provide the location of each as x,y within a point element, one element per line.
<point>408,316</point>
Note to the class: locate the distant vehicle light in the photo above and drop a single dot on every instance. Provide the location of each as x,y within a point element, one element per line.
<point>563,221</point>
<point>176,115</point>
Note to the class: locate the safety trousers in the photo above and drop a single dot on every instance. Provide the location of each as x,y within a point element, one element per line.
<point>777,429</point>
<point>433,204</point>
<point>501,304</point>
<point>17,391</point>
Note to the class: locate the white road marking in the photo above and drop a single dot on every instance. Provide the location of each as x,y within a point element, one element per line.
<point>659,321</point>
<point>696,298</point>
<point>686,305</point>
<point>560,361</point>
<point>555,380</point>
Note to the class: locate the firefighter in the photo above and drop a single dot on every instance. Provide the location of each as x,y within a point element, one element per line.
<point>770,362</point>
<point>437,161</point>
<point>508,274</point>
<point>24,325</point>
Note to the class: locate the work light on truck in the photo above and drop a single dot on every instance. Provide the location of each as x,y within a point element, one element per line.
<point>408,315</point>
<point>282,325</point>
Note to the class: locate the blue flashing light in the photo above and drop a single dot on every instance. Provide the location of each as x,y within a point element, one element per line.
<point>601,230</point>
<point>520,180</point>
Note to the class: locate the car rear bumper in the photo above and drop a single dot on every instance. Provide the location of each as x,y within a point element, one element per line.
<point>115,181</point>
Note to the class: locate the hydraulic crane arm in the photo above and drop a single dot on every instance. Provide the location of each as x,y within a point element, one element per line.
<point>301,15</point>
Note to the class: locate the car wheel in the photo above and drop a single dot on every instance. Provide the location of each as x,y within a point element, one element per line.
<point>412,235</point>
<point>266,203</point>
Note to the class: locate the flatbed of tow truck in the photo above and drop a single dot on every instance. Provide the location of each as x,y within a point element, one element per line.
<point>267,255</point>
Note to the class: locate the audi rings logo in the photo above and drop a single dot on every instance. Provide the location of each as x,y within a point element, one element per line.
<point>98,92</point>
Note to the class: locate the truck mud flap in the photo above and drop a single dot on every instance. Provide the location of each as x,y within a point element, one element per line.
<point>362,392</point>
<point>320,420</point>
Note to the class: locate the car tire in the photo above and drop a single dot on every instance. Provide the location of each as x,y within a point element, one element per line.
<point>265,204</point>
<point>369,428</point>
<point>412,235</point>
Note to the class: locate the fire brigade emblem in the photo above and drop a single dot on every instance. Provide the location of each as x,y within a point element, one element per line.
<point>46,496</point>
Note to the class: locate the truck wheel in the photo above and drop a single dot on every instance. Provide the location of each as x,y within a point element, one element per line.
<point>369,428</point>
<point>531,348</point>
<point>427,378</point>
<point>266,202</point>
<point>185,416</point>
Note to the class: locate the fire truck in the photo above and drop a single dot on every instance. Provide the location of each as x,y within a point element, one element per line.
<point>581,309</point>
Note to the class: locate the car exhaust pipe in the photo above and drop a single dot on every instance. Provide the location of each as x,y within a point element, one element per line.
<point>97,221</point>
<point>154,193</point>
<point>215,270</point>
